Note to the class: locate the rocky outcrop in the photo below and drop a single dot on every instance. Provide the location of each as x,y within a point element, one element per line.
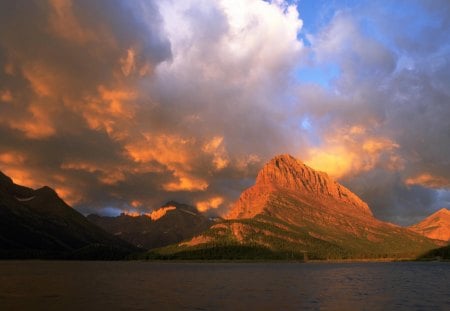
<point>435,226</point>
<point>287,174</point>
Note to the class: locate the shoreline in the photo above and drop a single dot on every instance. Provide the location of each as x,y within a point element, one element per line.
<point>207,261</point>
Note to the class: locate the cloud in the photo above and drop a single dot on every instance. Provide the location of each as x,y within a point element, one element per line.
<point>124,105</point>
<point>113,103</point>
<point>212,203</point>
<point>390,92</point>
<point>428,181</point>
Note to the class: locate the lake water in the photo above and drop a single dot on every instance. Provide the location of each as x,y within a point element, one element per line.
<point>56,285</point>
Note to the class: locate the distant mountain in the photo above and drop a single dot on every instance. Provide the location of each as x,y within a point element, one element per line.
<point>293,211</point>
<point>39,224</point>
<point>172,223</point>
<point>435,226</point>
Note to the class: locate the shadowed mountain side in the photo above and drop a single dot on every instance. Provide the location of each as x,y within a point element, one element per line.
<point>435,226</point>
<point>297,211</point>
<point>438,253</point>
<point>38,224</point>
<point>172,223</point>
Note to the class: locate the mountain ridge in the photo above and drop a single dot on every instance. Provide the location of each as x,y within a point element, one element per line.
<point>435,226</point>
<point>171,223</point>
<point>39,224</point>
<point>292,210</point>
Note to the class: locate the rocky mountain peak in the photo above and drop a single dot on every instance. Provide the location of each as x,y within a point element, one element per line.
<point>443,211</point>
<point>286,173</point>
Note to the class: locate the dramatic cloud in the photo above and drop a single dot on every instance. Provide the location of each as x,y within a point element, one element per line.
<point>114,103</point>
<point>381,125</point>
<point>124,105</point>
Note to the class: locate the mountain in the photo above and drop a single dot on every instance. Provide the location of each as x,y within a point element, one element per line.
<point>435,226</point>
<point>293,211</point>
<point>39,224</point>
<point>172,223</point>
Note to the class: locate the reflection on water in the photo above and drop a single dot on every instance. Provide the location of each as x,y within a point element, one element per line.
<point>53,285</point>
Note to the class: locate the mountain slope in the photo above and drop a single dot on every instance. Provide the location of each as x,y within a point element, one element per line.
<point>435,226</point>
<point>172,223</point>
<point>293,211</point>
<point>37,223</point>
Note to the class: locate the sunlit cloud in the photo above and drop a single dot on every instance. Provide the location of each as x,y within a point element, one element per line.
<point>428,180</point>
<point>216,148</point>
<point>212,203</point>
<point>128,104</point>
<point>43,81</point>
<point>62,22</point>
<point>12,158</point>
<point>348,151</point>
<point>128,62</point>
<point>6,96</point>
<point>185,183</point>
<point>35,124</point>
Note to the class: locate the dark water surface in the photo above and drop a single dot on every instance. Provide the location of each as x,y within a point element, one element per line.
<point>57,285</point>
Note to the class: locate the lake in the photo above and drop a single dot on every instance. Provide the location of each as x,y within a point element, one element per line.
<point>135,285</point>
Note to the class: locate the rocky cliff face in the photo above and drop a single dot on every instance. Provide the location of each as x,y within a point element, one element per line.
<point>435,226</point>
<point>286,174</point>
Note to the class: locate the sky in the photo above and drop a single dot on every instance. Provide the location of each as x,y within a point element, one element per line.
<point>121,106</point>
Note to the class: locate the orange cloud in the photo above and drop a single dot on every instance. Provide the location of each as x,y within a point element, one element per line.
<point>110,110</point>
<point>336,161</point>
<point>127,63</point>
<point>82,166</point>
<point>186,183</point>
<point>6,96</point>
<point>242,163</point>
<point>163,148</point>
<point>12,158</point>
<point>214,202</point>
<point>136,203</point>
<point>38,126</point>
<point>112,177</point>
<point>375,145</point>
<point>108,175</point>
<point>215,147</point>
<point>172,151</point>
<point>357,130</point>
<point>428,180</point>
<point>115,99</point>
<point>64,24</point>
<point>351,150</point>
<point>43,80</point>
